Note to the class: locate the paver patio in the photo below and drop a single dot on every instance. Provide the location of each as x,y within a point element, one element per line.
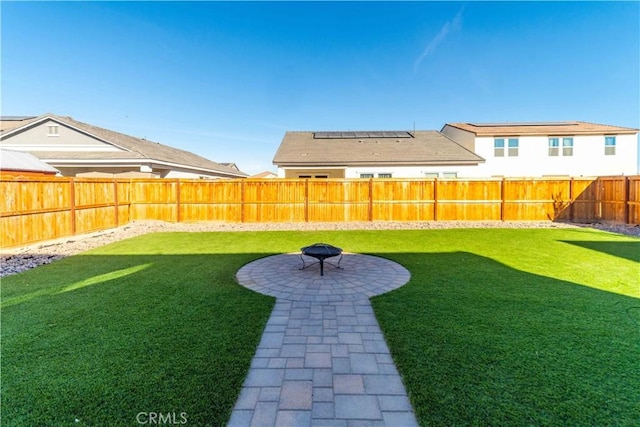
<point>322,359</point>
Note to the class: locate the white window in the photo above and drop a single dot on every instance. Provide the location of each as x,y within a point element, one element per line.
<point>430,174</point>
<point>498,147</point>
<point>384,175</point>
<point>567,147</point>
<point>609,145</point>
<point>513,147</point>
<point>449,174</point>
<point>366,175</point>
<point>52,130</point>
<point>554,146</point>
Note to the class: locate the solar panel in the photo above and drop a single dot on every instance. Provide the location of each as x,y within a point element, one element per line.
<point>361,134</point>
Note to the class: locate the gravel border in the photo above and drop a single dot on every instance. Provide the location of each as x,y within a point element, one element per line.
<point>15,260</point>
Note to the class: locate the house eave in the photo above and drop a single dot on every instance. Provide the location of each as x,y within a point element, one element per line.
<point>135,163</point>
<point>377,164</point>
<point>47,117</point>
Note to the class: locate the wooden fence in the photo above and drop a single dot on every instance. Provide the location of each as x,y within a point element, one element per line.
<point>37,209</point>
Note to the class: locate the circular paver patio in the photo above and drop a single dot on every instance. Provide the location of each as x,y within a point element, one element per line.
<point>359,277</point>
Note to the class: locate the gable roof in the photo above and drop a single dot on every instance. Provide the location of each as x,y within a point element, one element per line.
<point>265,174</point>
<point>541,128</point>
<point>18,161</point>
<point>371,148</point>
<point>135,148</point>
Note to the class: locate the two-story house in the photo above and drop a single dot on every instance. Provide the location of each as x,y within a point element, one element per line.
<point>548,149</point>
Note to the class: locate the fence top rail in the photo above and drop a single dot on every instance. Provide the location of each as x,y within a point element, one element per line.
<point>18,178</point>
<point>618,177</point>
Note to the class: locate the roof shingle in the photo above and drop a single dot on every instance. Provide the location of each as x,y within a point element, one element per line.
<point>541,128</point>
<point>136,147</point>
<point>423,148</point>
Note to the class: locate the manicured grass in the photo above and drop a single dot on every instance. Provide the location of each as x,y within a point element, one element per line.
<point>513,328</point>
<point>495,326</point>
<point>154,324</point>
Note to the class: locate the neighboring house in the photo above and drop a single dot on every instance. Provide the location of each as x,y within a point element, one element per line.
<point>373,154</point>
<point>17,163</point>
<point>80,149</point>
<point>264,175</point>
<point>548,149</point>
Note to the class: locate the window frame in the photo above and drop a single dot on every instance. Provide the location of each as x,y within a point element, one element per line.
<point>513,150</point>
<point>554,149</point>
<point>609,145</point>
<point>498,147</point>
<point>53,130</point>
<point>567,147</point>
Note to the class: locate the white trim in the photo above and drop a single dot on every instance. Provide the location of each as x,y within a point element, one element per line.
<point>63,148</point>
<point>132,163</point>
<point>35,123</point>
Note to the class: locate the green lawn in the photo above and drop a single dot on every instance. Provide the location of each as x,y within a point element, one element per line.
<point>499,326</point>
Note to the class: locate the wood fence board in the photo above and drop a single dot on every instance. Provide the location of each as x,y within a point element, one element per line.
<point>273,191</point>
<point>41,208</point>
<point>403,211</point>
<point>154,191</point>
<point>402,190</point>
<point>95,219</point>
<point>463,190</point>
<point>274,212</point>
<point>634,200</point>
<point>467,211</point>
<point>338,212</point>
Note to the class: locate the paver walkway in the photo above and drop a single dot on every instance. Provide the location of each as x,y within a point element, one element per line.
<point>322,360</point>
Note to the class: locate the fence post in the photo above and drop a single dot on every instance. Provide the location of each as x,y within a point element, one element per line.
<point>306,200</point>
<point>502,199</point>
<point>435,199</point>
<point>72,189</point>
<point>242,200</point>
<point>115,201</point>
<point>626,200</point>
<point>177,200</point>
<point>370,199</point>
<point>598,199</point>
<point>571,201</point>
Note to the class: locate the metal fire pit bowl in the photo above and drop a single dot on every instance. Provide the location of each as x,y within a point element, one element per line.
<point>320,251</point>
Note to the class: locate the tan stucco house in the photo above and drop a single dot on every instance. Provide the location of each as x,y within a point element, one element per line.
<point>80,149</point>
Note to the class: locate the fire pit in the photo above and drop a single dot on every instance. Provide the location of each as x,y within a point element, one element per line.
<point>320,251</point>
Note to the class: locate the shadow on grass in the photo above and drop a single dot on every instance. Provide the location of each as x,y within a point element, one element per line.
<point>101,338</point>
<point>627,250</point>
<point>480,343</point>
<point>96,340</point>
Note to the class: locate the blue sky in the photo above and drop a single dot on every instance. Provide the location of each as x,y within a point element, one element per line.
<point>226,80</point>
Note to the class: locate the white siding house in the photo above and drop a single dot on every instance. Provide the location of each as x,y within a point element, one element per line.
<point>549,149</point>
<point>462,150</point>
<point>373,154</point>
